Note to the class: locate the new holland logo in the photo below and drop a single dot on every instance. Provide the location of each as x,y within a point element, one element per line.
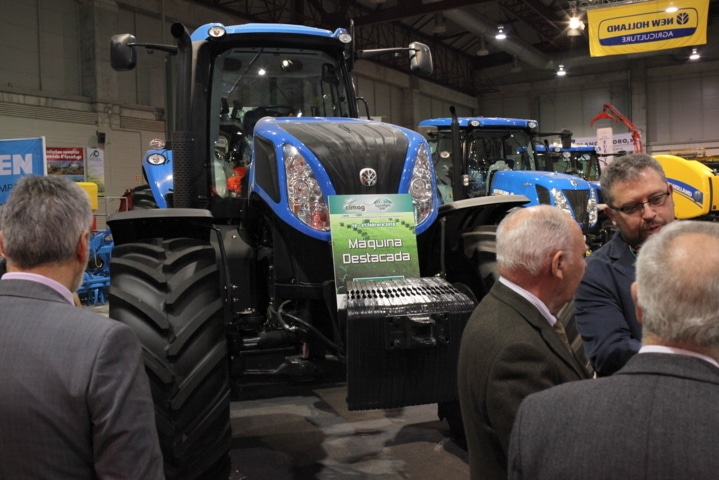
<point>368,177</point>
<point>574,183</point>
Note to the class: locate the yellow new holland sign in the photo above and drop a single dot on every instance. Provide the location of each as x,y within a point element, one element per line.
<point>647,26</point>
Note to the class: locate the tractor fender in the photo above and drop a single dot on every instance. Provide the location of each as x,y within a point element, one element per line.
<point>137,225</point>
<point>466,215</point>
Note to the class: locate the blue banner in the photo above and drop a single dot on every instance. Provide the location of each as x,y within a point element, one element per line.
<point>19,158</point>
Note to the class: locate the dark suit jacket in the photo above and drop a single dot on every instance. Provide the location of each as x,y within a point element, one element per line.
<point>605,313</point>
<point>508,351</point>
<point>74,397</point>
<point>656,418</point>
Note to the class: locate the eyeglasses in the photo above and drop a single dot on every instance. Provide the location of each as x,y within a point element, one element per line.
<point>633,208</point>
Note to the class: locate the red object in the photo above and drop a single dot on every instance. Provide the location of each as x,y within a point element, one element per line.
<point>616,116</point>
<point>234,183</point>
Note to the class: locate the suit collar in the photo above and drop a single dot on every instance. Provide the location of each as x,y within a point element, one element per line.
<point>532,316</point>
<point>668,364</point>
<point>623,258</point>
<point>30,289</point>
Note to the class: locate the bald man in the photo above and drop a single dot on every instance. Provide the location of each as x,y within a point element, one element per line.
<point>510,347</point>
<point>656,417</point>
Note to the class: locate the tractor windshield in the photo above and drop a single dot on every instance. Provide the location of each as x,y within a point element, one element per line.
<point>582,164</point>
<point>251,83</point>
<point>484,152</point>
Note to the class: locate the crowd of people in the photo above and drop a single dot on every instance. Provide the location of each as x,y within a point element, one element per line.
<point>647,309</point>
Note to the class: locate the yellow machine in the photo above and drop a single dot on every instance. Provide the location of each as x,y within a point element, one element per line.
<point>695,185</point>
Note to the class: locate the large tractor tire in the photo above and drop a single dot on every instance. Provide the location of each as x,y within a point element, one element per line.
<point>142,198</point>
<point>480,249</point>
<point>169,293</point>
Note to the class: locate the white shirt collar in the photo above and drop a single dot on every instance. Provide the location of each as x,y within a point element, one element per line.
<point>676,351</point>
<point>34,277</point>
<point>536,302</point>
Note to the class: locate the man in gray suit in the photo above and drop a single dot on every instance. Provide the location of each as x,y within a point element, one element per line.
<point>657,416</point>
<point>510,347</point>
<point>74,398</point>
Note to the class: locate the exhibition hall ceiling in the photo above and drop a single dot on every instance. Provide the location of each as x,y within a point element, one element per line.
<point>461,34</point>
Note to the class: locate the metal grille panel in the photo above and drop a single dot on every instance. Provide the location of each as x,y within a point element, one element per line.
<point>403,341</point>
<point>578,199</point>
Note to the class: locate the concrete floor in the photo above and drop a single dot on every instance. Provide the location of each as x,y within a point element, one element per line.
<point>314,436</point>
<point>310,434</point>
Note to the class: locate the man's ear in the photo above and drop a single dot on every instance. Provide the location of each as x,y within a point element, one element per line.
<point>638,310</point>
<point>2,247</point>
<point>558,264</point>
<point>83,247</point>
<point>610,215</point>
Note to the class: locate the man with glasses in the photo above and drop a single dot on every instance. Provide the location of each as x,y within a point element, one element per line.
<point>656,417</point>
<point>639,204</point>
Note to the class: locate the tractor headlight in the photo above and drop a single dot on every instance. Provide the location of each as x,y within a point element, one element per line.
<point>304,195</point>
<point>421,185</point>
<point>156,159</point>
<point>561,201</point>
<point>592,210</point>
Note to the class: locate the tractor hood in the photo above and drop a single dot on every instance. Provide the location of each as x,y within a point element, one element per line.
<point>512,179</point>
<point>344,147</point>
<point>339,156</point>
<point>571,194</point>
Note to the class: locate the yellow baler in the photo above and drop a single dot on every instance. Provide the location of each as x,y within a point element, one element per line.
<point>695,186</point>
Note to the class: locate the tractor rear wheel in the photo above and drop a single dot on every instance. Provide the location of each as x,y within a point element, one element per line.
<point>169,293</point>
<point>480,250</point>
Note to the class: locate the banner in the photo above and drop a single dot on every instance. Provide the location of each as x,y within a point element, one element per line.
<point>95,162</point>
<point>18,158</point>
<point>647,26</point>
<point>66,161</point>
<point>608,141</point>
<point>372,237</point>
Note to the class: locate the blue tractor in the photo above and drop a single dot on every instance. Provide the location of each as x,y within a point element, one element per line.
<point>583,161</point>
<point>488,156</point>
<point>231,281</point>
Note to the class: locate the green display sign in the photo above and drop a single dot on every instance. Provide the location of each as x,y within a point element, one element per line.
<point>372,237</point>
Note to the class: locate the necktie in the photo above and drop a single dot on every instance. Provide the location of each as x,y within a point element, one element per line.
<point>559,329</point>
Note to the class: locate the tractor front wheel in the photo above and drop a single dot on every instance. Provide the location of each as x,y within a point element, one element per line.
<point>168,292</point>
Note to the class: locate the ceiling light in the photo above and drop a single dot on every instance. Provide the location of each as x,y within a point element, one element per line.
<point>576,25</point>
<point>695,55</point>
<point>671,8</point>
<point>500,33</point>
<point>561,71</point>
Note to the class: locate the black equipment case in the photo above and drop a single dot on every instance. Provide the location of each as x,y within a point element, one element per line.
<point>403,341</point>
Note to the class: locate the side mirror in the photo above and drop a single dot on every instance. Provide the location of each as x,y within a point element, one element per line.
<point>123,55</point>
<point>566,136</point>
<point>420,59</point>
